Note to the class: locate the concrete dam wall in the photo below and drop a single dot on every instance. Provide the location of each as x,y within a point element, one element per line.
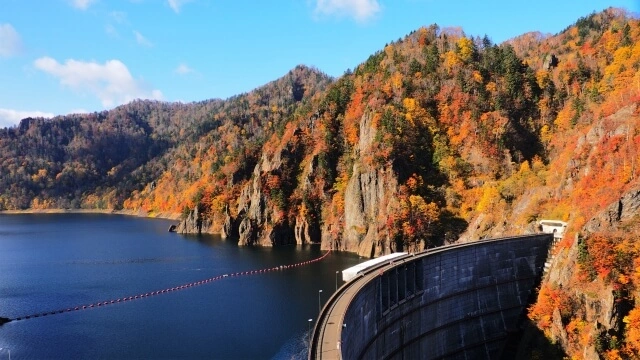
<point>455,302</point>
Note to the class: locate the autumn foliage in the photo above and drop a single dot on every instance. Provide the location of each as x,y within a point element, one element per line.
<point>480,139</point>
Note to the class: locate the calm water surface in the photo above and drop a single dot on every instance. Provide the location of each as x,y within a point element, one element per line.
<point>52,262</point>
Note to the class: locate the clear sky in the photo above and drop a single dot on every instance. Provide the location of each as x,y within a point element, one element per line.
<point>63,56</point>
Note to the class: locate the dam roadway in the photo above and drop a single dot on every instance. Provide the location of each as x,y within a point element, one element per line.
<point>452,302</point>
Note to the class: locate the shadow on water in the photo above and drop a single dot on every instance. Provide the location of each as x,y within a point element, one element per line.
<point>78,260</point>
<point>205,239</point>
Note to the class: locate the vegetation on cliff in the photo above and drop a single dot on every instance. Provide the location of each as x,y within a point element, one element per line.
<point>100,160</point>
<point>437,137</point>
<point>590,180</point>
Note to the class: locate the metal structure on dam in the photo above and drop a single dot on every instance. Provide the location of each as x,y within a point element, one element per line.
<point>461,301</point>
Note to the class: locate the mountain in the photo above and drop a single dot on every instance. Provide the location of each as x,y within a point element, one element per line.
<point>96,161</point>
<point>438,137</point>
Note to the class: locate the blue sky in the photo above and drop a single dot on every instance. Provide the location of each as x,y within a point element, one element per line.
<point>64,56</point>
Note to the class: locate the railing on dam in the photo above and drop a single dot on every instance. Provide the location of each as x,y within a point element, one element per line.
<point>456,301</point>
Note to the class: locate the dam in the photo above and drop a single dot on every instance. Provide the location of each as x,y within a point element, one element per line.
<point>461,301</point>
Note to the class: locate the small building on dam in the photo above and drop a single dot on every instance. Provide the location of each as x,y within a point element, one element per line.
<point>462,301</point>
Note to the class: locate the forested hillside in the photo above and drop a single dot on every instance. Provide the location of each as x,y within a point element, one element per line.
<point>588,305</point>
<point>438,137</point>
<point>96,161</point>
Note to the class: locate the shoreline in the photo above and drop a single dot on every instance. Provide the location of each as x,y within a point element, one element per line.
<point>137,213</point>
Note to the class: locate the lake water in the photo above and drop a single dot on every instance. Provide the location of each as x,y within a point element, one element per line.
<point>59,261</point>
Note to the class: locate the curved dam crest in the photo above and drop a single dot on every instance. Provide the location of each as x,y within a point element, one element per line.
<point>463,301</point>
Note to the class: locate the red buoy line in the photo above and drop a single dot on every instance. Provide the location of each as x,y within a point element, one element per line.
<point>169,290</point>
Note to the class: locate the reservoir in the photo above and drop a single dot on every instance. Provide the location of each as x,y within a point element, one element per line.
<point>50,262</point>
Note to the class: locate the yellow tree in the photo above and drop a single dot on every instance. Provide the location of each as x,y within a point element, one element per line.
<point>632,330</point>
<point>416,220</point>
<point>466,49</point>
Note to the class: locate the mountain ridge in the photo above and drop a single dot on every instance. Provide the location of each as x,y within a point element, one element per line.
<point>436,138</point>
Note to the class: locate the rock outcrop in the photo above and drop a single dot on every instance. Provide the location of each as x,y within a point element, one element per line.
<point>251,208</point>
<point>369,197</point>
<point>599,307</point>
<point>195,223</point>
<point>306,231</point>
<point>368,200</point>
<point>260,221</point>
<point>228,229</point>
<point>550,61</point>
<point>624,209</point>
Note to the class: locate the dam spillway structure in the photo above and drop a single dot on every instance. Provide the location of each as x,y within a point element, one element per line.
<point>461,301</point>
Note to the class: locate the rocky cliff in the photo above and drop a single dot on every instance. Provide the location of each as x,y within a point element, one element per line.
<point>370,199</point>
<point>623,210</point>
<point>261,216</point>
<point>258,221</point>
<point>598,307</point>
<point>195,223</point>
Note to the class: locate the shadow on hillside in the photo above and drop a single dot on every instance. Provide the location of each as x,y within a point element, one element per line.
<point>533,344</point>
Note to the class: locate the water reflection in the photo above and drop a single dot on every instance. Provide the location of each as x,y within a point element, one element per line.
<point>80,259</point>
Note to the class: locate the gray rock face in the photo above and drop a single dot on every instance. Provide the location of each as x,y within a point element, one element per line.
<point>550,61</point>
<point>599,307</point>
<point>246,232</point>
<point>624,209</point>
<point>304,231</point>
<point>368,199</point>
<point>194,223</point>
<point>227,230</point>
<point>250,211</point>
<point>257,223</point>
<point>367,134</point>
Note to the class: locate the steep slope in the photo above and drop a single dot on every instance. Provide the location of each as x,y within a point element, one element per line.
<point>97,161</point>
<point>588,303</point>
<point>438,137</point>
<point>388,158</point>
<point>89,160</point>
